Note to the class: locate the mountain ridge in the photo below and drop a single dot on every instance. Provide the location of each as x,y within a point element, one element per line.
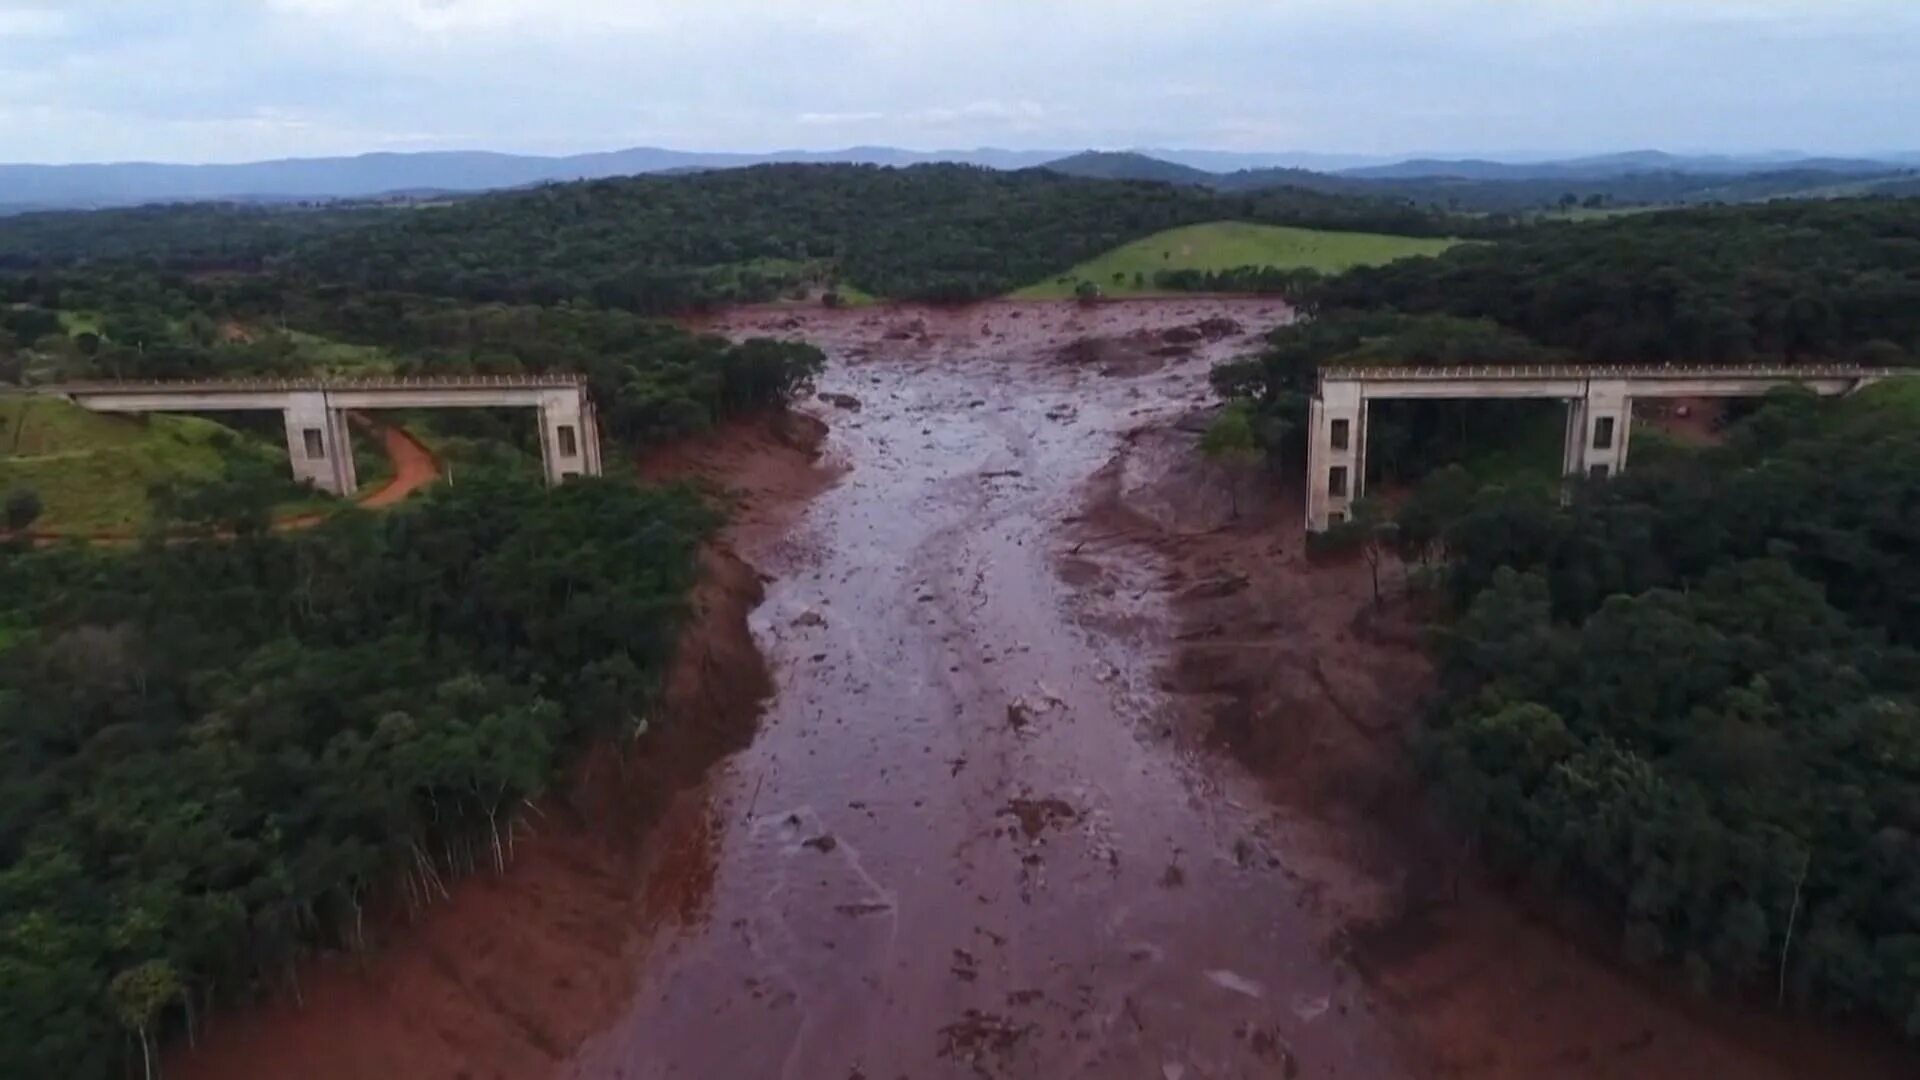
<point>382,173</point>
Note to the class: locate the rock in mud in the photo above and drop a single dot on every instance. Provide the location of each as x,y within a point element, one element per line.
<point>823,843</point>
<point>1218,588</point>
<point>1019,715</point>
<point>1218,328</point>
<point>1239,984</point>
<point>1035,815</point>
<point>841,401</point>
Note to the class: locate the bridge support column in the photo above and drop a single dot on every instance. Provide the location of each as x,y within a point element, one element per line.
<point>1599,426</point>
<point>569,435</point>
<point>1336,453</point>
<point>319,444</point>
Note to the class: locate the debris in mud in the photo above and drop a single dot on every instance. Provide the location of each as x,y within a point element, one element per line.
<point>862,910</point>
<point>1174,877</point>
<point>1268,1044</point>
<point>965,967</point>
<point>1000,473</point>
<point>1035,815</point>
<point>979,1034</point>
<point>841,401</point>
<point>1218,588</point>
<point>1061,413</point>
<point>810,618</point>
<point>823,843</point>
<point>1022,711</point>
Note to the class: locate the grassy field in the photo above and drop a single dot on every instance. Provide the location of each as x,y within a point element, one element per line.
<point>92,471</point>
<point>76,323</point>
<point>1900,396</point>
<point>330,357</point>
<point>1224,245</point>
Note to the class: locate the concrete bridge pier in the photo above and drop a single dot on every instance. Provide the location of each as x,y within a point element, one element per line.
<point>1599,426</point>
<point>1336,452</point>
<point>319,443</point>
<point>569,435</point>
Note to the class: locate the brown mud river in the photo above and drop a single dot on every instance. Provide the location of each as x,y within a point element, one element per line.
<point>982,829</point>
<point>955,847</point>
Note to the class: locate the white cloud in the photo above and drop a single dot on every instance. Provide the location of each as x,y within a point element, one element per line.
<point>30,22</point>
<point>231,79</point>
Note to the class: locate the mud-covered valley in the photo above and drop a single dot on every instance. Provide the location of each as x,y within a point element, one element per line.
<point>1070,764</point>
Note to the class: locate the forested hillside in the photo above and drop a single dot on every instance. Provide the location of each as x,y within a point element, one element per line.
<point>1691,696</point>
<point>662,244</point>
<point>652,380</point>
<point>184,237</point>
<point>217,752</point>
<point>1784,281</point>
<point>219,747</point>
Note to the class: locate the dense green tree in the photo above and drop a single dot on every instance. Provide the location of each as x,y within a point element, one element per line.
<point>1230,443</point>
<point>218,750</point>
<point>1781,281</point>
<point>23,509</point>
<point>1691,696</point>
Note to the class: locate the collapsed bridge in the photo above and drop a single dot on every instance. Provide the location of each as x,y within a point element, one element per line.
<point>1599,410</point>
<point>315,411</point>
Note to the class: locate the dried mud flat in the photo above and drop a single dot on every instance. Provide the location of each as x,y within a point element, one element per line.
<point>1068,772</point>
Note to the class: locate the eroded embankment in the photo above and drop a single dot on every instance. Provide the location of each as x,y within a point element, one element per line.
<point>511,971</point>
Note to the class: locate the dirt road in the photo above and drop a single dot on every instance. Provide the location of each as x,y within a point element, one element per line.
<point>413,465</point>
<point>962,844</point>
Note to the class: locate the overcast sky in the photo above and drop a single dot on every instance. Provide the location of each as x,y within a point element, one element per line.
<point>233,80</point>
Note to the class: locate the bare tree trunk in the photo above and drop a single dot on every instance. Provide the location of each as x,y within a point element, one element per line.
<point>1793,913</point>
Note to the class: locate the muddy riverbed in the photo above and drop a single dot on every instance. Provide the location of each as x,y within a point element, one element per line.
<point>1074,767</point>
<point>963,843</point>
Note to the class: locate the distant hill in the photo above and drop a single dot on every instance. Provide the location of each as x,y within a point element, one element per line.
<point>1608,166</point>
<point>294,180</point>
<point>366,175</point>
<point>1103,165</point>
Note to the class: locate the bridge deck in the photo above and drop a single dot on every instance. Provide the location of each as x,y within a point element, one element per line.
<point>554,381</point>
<point>1560,372</point>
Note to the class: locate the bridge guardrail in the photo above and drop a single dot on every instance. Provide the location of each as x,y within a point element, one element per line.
<point>556,381</point>
<point>1364,373</point>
